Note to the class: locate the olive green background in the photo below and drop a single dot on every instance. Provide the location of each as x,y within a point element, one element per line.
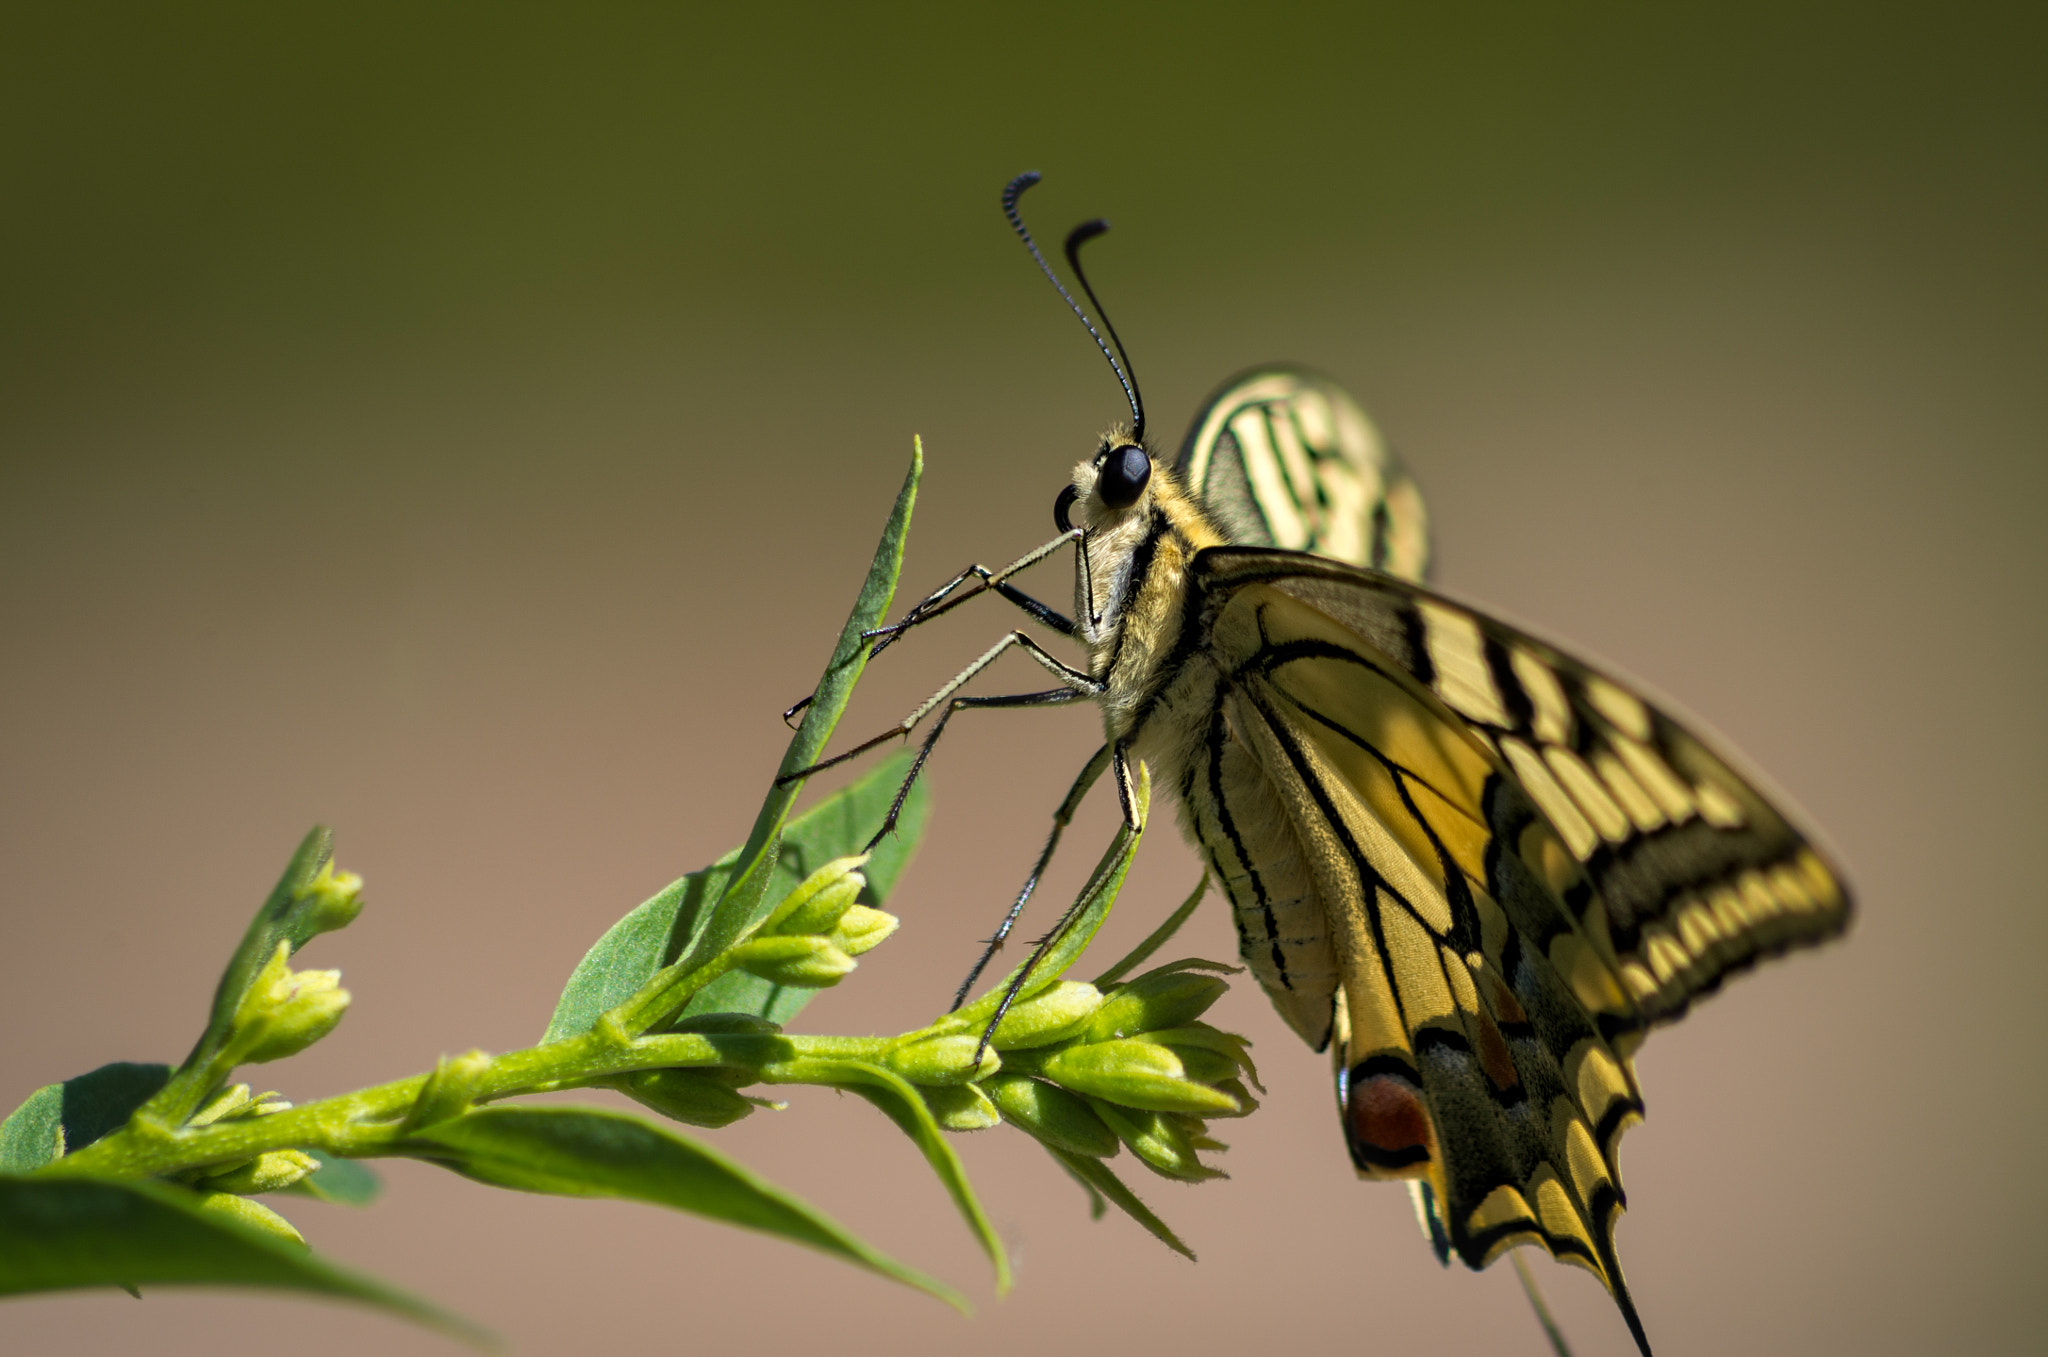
<point>467,427</point>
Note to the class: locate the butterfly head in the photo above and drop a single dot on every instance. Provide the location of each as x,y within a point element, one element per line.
<point>1109,487</point>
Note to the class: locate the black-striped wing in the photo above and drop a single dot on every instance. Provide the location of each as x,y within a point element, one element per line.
<point>1284,457</point>
<point>1524,866</point>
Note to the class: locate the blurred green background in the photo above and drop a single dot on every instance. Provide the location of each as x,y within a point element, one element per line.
<point>467,426</point>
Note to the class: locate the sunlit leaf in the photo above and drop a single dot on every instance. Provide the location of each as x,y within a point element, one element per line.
<point>828,700</point>
<point>586,1152</point>
<point>900,1101</point>
<point>59,1118</point>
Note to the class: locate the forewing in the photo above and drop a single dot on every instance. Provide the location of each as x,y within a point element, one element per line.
<point>1283,457</point>
<point>1686,871</point>
<point>1525,866</point>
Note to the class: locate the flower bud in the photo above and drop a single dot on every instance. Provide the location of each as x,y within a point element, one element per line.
<point>815,905</point>
<point>961,1107</point>
<point>285,1011</point>
<point>1160,1140</point>
<point>1200,1036</point>
<point>862,929</point>
<point>329,901</point>
<point>1053,1014</point>
<point>943,1060</point>
<point>449,1091</point>
<point>1055,1116</point>
<point>807,962</point>
<point>226,1103</point>
<point>265,1173</point>
<point>693,1097</point>
<point>1161,998</point>
<point>1137,1074</point>
<point>253,1214</point>
<point>1202,1066</point>
<point>1237,1092</point>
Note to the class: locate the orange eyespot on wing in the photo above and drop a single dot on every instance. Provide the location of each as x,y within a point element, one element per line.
<point>1386,1119</point>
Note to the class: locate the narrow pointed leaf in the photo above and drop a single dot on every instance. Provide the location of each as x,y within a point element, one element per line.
<point>1157,939</point>
<point>1101,1182</point>
<point>828,701</point>
<point>901,1103</point>
<point>59,1234</point>
<point>587,1152</point>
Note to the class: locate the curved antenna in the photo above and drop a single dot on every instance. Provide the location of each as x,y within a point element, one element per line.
<point>1076,238</point>
<point>1086,231</point>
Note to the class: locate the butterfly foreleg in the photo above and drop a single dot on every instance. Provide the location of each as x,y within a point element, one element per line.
<point>1061,818</point>
<point>946,598</point>
<point>1075,684</point>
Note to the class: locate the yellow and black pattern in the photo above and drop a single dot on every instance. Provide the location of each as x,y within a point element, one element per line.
<point>1476,870</point>
<point>1284,457</point>
<point>1481,870</point>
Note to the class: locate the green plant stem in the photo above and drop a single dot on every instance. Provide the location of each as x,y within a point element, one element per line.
<point>369,1122</point>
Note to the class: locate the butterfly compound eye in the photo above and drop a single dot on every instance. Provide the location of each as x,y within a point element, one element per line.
<point>1124,473</point>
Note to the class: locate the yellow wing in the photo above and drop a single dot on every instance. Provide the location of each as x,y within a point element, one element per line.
<point>1521,865</point>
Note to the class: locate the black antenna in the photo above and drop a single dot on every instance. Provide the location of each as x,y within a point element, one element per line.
<point>1079,236</point>
<point>1076,238</point>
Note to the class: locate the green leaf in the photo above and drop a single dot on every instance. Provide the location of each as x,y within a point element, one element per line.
<point>902,1104</point>
<point>634,948</point>
<point>1157,939</point>
<point>59,1118</point>
<point>1100,1182</point>
<point>33,1133</point>
<point>280,919</point>
<point>1077,928</point>
<point>586,1152</point>
<point>345,1182</point>
<point>61,1234</point>
<point>828,701</point>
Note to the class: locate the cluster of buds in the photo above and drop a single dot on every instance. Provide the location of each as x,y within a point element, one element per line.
<point>811,939</point>
<point>224,1184</point>
<point>1088,1071</point>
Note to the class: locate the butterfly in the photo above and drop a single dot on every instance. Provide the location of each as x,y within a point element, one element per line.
<point>1475,869</point>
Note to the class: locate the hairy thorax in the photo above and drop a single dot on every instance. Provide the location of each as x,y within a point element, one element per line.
<point>1130,597</point>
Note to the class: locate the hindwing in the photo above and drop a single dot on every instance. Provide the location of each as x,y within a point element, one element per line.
<point>1523,865</point>
<point>1284,457</point>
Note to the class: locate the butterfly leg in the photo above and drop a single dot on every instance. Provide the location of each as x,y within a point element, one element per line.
<point>1051,697</point>
<point>1119,764</point>
<point>1075,683</point>
<point>1061,818</point>
<point>945,598</point>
